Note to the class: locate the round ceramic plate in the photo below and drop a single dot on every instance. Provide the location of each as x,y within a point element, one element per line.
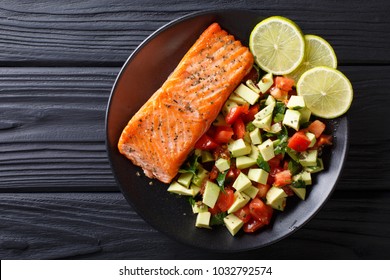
<point>143,73</point>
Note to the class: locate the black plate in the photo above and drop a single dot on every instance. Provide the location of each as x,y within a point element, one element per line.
<point>144,72</point>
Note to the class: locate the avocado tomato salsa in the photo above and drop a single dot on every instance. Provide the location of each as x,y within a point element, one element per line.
<point>263,147</point>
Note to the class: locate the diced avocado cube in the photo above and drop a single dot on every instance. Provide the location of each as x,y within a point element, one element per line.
<point>305,115</point>
<point>276,128</point>
<point>229,104</point>
<point>246,93</point>
<point>254,152</point>
<point>240,200</point>
<point>185,179</point>
<point>300,192</point>
<point>195,189</point>
<point>198,152</point>
<point>251,191</point>
<point>239,100</point>
<point>233,223</point>
<point>203,220</point>
<point>276,142</point>
<point>211,193</point>
<point>199,208</point>
<point>255,136</point>
<point>265,82</point>
<point>292,119</point>
<point>177,188</point>
<point>247,137</point>
<point>201,175</point>
<point>270,100</point>
<point>265,112</point>
<point>239,148</point>
<point>312,138</point>
<point>279,204</point>
<point>305,176</point>
<point>267,150</point>
<point>250,84</point>
<point>243,162</point>
<point>274,198</point>
<point>296,102</point>
<point>222,164</point>
<point>258,175</point>
<point>315,169</point>
<point>293,154</point>
<point>263,123</point>
<point>219,121</point>
<point>308,158</point>
<point>242,182</point>
<point>206,156</point>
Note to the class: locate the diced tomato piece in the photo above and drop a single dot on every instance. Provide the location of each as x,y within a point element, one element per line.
<point>250,115</point>
<point>317,128</point>
<point>244,214</point>
<point>279,94</point>
<point>252,226</point>
<point>287,189</point>
<point>283,178</point>
<point>215,210</point>
<point>324,139</point>
<point>292,92</point>
<point>284,83</point>
<point>285,165</point>
<point>299,142</point>
<point>263,189</point>
<point>213,173</point>
<point>235,113</point>
<point>206,143</point>
<point>225,200</point>
<point>272,173</point>
<point>232,175</point>
<point>223,134</point>
<point>221,152</point>
<point>211,131</point>
<point>239,128</point>
<point>274,162</point>
<point>260,211</point>
<point>252,75</point>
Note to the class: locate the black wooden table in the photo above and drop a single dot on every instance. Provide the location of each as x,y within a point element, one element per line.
<point>58,62</point>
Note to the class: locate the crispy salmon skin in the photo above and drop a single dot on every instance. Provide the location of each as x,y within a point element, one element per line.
<point>160,136</point>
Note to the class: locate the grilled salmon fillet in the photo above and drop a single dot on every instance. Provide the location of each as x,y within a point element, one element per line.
<point>160,136</point>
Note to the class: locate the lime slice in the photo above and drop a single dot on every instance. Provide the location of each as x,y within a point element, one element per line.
<point>318,52</point>
<point>326,91</point>
<point>277,44</point>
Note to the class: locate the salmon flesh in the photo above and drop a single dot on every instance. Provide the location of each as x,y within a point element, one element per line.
<point>161,135</point>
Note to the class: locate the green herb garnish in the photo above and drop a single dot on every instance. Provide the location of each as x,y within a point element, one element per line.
<point>217,219</point>
<point>263,164</point>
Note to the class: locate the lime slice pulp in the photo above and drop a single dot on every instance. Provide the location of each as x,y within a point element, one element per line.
<point>318,52</point>
<point>277,44</point>
<point>326,91</point>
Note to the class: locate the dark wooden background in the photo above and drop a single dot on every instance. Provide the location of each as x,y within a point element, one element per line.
<point>58,197</point>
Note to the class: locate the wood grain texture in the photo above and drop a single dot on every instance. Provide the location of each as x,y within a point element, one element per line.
<point>102,225</point>
<point>52,129</point>
<point>105,32</point>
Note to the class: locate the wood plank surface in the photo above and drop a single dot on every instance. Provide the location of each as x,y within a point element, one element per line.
<point>52,129</point>
<point>105,32</point>
<point>53,226</point>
